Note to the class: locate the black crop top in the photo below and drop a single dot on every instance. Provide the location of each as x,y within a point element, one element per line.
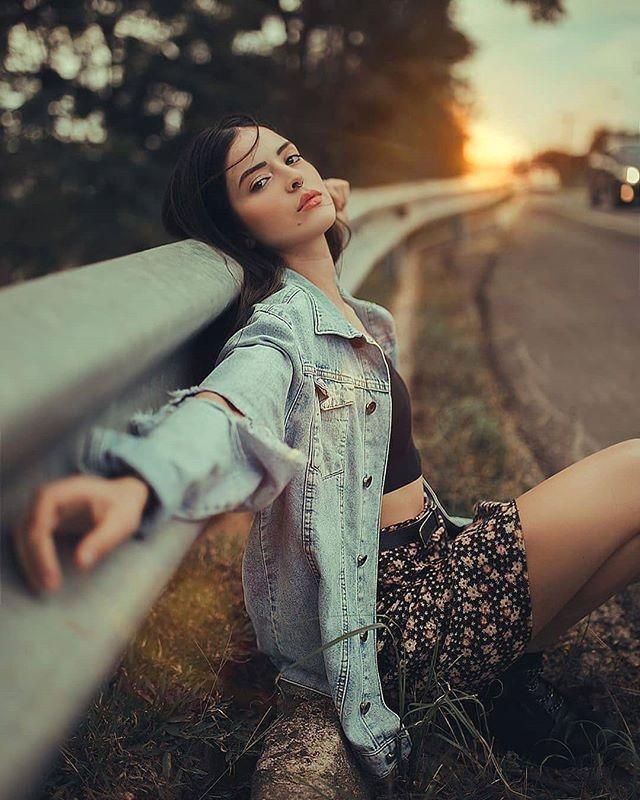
<point>403,464</point>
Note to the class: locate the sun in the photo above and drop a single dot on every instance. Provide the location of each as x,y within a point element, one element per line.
<point>489,148</point>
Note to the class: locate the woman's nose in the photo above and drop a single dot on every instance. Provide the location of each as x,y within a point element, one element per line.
<point>295,182</point>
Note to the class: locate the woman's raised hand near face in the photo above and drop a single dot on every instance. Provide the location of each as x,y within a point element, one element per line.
<point>107,510</point>
<point>339,189</point>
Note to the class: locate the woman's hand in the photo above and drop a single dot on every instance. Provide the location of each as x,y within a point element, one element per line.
<point>339,190</point>
<point>108,509</point>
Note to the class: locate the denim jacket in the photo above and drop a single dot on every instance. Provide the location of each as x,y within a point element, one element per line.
<point>309,458</point>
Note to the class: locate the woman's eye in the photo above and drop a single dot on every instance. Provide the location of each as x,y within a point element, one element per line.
<point>258,182</point>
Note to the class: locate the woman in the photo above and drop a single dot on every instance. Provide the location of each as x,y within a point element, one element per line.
<point>305,421</point>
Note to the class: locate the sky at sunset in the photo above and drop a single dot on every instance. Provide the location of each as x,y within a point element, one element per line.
<point>549,85</point>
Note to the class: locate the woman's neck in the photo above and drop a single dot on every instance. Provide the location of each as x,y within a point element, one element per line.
<point>314,262</point>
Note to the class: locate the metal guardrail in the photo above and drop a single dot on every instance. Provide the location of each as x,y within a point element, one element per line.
<point>89,346</point>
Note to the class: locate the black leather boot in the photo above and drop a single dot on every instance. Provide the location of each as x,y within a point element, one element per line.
<point>527,714</point>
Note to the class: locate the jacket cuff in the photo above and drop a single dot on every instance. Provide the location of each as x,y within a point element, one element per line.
<point>113,454</point>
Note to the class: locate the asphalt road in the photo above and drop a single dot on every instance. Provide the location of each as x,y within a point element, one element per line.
<point>562,299</point>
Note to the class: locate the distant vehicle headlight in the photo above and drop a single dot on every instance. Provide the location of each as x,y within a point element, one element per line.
<point>632,175</point>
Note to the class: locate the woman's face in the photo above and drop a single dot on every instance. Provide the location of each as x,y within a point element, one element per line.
<point>265,189</point>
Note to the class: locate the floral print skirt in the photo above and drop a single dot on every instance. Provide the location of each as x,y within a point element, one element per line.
<point>458,607</point>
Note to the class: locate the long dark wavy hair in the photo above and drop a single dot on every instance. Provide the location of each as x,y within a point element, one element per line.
<point>196,205</point>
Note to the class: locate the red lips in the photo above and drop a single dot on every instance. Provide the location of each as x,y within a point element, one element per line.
<point>307,196</point>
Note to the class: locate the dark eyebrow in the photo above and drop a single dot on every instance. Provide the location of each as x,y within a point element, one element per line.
<point>261,164</point>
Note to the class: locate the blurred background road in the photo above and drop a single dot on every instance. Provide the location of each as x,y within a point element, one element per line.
<point>563,301</point>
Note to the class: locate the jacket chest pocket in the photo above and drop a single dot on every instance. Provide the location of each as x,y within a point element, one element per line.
<point>334,403</point>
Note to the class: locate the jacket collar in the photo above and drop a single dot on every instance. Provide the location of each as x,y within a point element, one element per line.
<point>327,317</point>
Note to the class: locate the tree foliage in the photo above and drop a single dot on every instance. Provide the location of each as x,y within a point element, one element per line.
<point>97,97</point>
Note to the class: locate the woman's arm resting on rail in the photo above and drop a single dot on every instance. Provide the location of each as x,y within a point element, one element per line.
<point>217,446</point>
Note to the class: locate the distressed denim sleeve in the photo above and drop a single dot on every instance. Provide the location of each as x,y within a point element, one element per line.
<point>201,459</point>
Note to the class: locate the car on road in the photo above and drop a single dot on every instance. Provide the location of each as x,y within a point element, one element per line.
<point>613,172</point>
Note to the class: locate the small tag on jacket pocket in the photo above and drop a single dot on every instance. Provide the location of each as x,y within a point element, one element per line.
<point>334,394</point>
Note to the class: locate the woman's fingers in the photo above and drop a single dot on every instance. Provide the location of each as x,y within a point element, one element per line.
<point>329,183</point>
<point>22,557</point>
<point>34,540</point>
<point>108,534</point>
<point>106,511</point>
<point>339,190</point>
<point>344,189</point>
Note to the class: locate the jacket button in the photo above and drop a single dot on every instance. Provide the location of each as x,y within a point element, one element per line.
<point>362,559</point>
<point>390,757</point>
<point>367,481</point>
<point>365,706</point>
<point>371,407</point>
<point>364,636</point>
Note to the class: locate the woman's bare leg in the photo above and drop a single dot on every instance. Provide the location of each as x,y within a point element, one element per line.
<point>618,571</point>
<point>574,521</point>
